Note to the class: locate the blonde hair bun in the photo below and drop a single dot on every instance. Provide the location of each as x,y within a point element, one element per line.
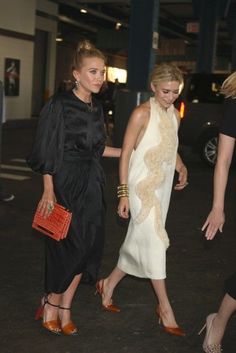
<point>85,49</point>
<point>85,45</point>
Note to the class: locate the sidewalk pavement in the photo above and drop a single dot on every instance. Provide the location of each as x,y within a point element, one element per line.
<point>196,270</point>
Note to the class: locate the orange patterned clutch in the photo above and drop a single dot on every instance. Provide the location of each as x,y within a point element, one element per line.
<point>56,225</point>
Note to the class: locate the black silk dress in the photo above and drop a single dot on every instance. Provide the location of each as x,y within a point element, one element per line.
<point>69,143</point>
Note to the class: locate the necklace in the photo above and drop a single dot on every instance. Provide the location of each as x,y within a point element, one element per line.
<point>89,105</point>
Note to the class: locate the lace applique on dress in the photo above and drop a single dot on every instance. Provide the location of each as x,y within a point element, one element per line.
<point>154,159</point>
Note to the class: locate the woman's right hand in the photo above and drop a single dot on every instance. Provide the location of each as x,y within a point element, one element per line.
<point>214,222</point>
<point>123,207</point>
<point>46,204</point>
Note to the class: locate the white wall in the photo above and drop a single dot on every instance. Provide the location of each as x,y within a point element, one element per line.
<point>18,107</point>
<point>18,15</point>
<point>47,6</point>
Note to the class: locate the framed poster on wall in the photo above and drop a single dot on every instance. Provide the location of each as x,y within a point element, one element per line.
<point>12,77</point>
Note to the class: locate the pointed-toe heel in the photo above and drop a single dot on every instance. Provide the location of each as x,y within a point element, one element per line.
<point>52,325</point>
<point>109,307</point>
<point>209,348</point>
<point>69,329</point>
<point>39,312</point>
<point>175,331</point>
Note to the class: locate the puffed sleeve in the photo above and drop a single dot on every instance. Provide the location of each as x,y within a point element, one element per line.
<point>47,153</point>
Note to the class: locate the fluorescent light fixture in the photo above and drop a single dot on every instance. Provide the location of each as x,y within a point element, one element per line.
<point>83,10</point>
<point>114,73</point>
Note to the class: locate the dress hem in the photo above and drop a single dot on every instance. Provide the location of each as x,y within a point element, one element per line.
<point>135,274</point>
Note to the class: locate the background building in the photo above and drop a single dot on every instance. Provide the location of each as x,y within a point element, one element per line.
<point>38,38</point>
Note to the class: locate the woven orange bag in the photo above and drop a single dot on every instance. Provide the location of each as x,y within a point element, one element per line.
<point>56,225</point>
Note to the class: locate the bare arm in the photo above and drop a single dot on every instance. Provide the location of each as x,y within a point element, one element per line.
<point>180,167</point>
<point>111,152</point>
<point>216,218</point>
<point>133,134</point>
<point>183,174</point>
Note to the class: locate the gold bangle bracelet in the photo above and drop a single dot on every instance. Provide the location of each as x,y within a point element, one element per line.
<point>122,192</point>
<point>122,187</point>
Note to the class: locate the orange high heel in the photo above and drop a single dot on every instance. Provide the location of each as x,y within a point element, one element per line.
<point>53,325</point>
<point>69,329</point>
<point>176,331</point>
<point>39,311</point>
<point>110,307</point>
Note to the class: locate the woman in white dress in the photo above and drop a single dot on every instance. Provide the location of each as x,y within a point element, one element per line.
<point>148,161</point>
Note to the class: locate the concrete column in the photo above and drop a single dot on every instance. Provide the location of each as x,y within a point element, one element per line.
<point>231,19</point>
<point>208,13</point>
<point>141,54</point>
<point>233,56</point>
<point>1,117</point>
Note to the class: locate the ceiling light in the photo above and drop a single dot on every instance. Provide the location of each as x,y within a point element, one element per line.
<point>118,25</point>
<point>83,11</point>
<point>59,38</point>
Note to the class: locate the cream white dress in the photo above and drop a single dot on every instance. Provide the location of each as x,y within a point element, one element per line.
<point>150,179</point>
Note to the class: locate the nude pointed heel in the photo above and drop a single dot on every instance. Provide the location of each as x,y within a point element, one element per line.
<point>209,348</point>
<point>202,329</point>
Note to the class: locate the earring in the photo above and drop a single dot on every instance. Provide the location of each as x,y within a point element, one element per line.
<point>76,84</point>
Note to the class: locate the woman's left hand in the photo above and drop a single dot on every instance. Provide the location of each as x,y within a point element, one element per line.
<point>213,223</point>
<point>46,204</point>
<point>182,179</point>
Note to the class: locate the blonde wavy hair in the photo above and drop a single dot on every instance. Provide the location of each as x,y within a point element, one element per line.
<point>166,72</point>
<point>228,87</point>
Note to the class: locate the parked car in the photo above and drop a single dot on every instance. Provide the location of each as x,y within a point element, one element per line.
<point>201,108</point>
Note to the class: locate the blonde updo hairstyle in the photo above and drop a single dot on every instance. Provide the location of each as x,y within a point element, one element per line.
<point>229,86</point>
<point>166,72</point>
<point>84,50</point>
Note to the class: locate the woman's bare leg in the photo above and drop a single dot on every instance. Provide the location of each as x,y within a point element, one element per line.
<point>227,308</point>
<point>110,283</point>
<point>50,312</point>
<point>166,312</point>
<point>66,300</point>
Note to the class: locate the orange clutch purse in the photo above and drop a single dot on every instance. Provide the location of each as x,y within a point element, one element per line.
<point>56,225</point>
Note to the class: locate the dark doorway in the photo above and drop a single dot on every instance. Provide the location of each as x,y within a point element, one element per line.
<point>39,73</point>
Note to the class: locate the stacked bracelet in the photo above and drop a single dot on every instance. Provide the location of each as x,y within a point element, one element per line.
<point>122,190</point>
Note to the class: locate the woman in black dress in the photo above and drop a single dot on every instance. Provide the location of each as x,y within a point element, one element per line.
<point>216,323</point>
<point>69,144</point>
